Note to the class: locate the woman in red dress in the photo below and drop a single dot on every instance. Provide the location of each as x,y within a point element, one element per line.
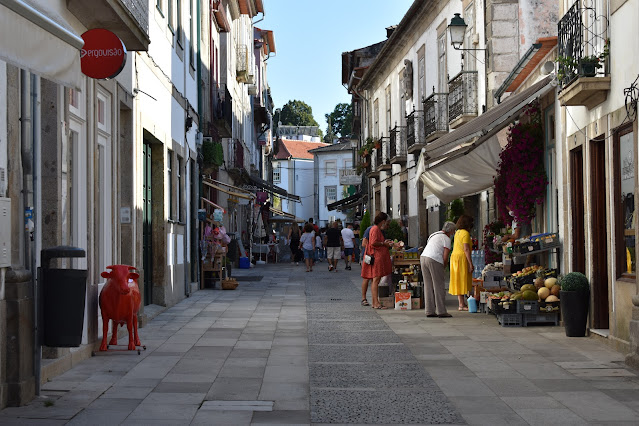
<point>378,248</point>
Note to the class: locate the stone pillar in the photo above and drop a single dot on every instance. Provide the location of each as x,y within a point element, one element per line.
<point>18,308</point>
<point>502,31</point>
<point>50,147</point>
<point>632,359</point>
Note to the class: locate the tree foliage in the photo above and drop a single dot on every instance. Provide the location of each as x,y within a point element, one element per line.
<point>296,113</point>
<point>340,121</point>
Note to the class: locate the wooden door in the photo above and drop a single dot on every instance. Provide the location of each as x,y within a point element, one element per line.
<point>599,281</point>
<point>577,210</point>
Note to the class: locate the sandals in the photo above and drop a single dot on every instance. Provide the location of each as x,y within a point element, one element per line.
<point>380,307</point>
<point>365,302</point>
<point>465,308</point>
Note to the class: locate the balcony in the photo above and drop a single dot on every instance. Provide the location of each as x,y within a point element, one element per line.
<point>222,111</point>
<point>435,116</point>
<point>236,155</point>
<point>415,132</point>
<point>128,19</point>
<point>397,145</point>
<point>242,64</point>
<point>382,155</point>
<point>583,57</point>
<point>462,98</point>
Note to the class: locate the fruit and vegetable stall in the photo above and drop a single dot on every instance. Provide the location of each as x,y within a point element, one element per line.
<point>525,295</point>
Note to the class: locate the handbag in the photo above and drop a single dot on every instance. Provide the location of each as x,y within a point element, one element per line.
<point>369,259</point>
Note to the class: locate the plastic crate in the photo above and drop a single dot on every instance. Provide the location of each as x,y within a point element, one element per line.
<point>510,320</point>
<point>529,319</point>
<point>527,307</point>
<point>527,247</point>
<point>548,307</point>
<point>498,309</point>
<point>493,279</point>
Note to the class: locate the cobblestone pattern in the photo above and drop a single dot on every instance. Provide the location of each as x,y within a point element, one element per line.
<point>359,370</point>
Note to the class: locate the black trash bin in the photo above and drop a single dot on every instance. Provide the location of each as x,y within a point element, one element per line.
<point>63,299</point>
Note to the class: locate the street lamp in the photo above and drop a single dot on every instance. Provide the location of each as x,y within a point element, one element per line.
<point>457,32</point>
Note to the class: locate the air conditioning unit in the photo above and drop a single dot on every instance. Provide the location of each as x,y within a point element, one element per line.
<point>252,89</point>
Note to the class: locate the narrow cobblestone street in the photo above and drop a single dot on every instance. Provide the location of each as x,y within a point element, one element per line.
<point>289,347</point>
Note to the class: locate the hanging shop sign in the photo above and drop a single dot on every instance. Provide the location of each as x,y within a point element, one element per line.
<point>103,55</point>
<point>349,177</point>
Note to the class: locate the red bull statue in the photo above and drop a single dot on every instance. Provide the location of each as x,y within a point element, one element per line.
<point>120,303</point>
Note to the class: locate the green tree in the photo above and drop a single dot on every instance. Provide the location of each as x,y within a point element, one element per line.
<point>340,121</point>
<point>296,113</point>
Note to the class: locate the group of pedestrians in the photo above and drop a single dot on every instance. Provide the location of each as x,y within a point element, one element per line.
<point>433,260</point>
<point>310,243</point>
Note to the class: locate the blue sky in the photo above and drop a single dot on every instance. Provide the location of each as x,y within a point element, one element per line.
<point>310,36</point>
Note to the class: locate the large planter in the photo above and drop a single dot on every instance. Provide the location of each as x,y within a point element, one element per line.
<point>588,69</point>
<point>574,311</point>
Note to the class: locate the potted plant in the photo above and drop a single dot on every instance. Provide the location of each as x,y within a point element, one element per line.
<point>575,300</point>
<point>588,65</point>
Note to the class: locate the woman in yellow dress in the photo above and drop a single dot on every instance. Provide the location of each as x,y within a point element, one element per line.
<point>461,263</point>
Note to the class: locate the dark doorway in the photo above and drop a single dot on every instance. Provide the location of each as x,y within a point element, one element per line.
<point>599,279</point>
<point>577,210</point>
<point>147,228</point>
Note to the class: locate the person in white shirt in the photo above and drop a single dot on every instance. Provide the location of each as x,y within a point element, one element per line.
<point>432,261</point>
<point>349,244</point>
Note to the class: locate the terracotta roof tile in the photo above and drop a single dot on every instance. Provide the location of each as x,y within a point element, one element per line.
<point>299,149</point>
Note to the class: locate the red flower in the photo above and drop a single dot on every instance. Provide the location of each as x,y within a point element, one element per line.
<point>521,178</point>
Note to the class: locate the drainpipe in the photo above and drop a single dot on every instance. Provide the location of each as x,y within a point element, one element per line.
<point>30,143</point>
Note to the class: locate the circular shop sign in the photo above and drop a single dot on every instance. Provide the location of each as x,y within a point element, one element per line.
<point>103,55</point>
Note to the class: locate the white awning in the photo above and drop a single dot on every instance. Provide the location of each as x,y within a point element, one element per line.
<point>40,41</point>
<point>464,161</point>
<point>465,173</point>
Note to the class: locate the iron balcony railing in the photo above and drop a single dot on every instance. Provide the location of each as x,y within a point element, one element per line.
<point>414,128</point>
<point>435,113</point>
<point>582,38</point>
<point>462,95</point>
<point>397,141</point>
<point>222,108</point>
<point>236,154</point>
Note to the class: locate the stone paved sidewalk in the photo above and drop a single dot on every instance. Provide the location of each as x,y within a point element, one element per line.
<point>297,348</point>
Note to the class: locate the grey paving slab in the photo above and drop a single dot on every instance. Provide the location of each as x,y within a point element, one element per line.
<point>595,406</point>
<point>232,389</point>
<point>496,419</point>
<point>289,417</point>
<point>547,416</point>
<point>513,386</point>
<point>347,326</point>
<point>480,405</point>
<point>100,417</point>
<point>177,413</point>
<point>222,418</point>
<point>183,387</point>
<point>286,374</point>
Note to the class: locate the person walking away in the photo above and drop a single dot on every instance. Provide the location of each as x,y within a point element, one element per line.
<point>315,227</point>
<point>433,261</point>
<point>319,248</point>
<point>294,235</point>
<point>333,243</point>
<point>461,263</point>
<point>307,244</point>
<point>378,247</point>
<point>356,244</point>
<point>349,244</point>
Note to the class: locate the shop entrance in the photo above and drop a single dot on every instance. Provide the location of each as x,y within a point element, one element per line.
<point>147,229</point>
<point>600,317</point>
<point>577,210</point>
